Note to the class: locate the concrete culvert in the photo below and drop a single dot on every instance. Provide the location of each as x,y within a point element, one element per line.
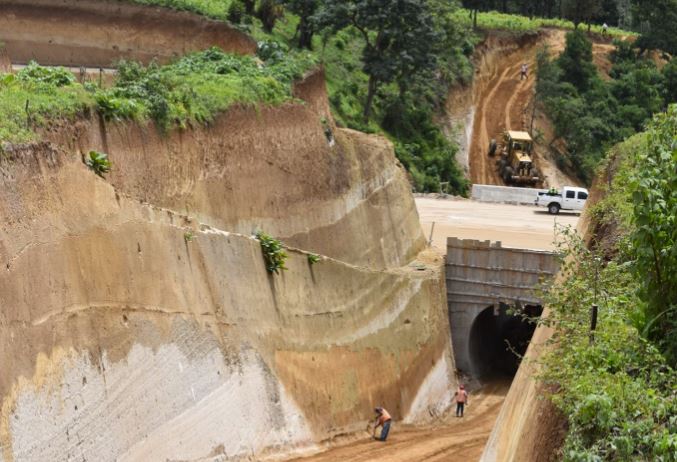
<point>496,340</point>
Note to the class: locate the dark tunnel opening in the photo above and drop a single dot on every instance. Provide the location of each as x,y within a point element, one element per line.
<point>499,339</point>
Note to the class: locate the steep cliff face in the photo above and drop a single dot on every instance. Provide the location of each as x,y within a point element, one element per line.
<point>97,33</point>
<point>272,169</point>
<point>138,321</point>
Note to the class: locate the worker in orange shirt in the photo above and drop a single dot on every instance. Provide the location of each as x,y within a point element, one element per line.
<point>383,419</point>
<point>461,400</point>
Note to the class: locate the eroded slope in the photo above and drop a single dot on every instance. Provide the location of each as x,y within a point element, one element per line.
<point>124,339</point>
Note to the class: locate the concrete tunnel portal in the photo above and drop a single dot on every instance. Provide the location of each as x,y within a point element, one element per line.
<point>485,281</point>
<point>498,340</point>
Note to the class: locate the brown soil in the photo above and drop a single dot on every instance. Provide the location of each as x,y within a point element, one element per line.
<point>98,33</point>
<point>504,102</point>
<point>452,439</point>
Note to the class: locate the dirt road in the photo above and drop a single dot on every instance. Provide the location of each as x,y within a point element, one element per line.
<point>502,99</point>
<point>453,439</point>
<point>513,225</point>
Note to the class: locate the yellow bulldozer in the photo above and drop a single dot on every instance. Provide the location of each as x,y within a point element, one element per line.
<point>515,164</point>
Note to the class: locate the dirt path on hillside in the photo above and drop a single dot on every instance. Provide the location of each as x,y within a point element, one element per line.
<point>503,102</point>
<point>454,439</point>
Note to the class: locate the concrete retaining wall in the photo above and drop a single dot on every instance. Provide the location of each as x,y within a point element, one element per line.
<point>505,194</point>
<point>481,274</point>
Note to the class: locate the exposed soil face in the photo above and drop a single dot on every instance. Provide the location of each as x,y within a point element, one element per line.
<point>97,33</point>
<point>451,439</point>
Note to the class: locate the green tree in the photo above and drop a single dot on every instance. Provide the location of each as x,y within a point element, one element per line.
<point>657,20</point>
<point>670,75</point>
<point>579,11</point>
<point>654,241</point>
<point>576,61</point>
<point>250,7</point>
<point>269,12</point>
<point>305,10</point>
<point>397,38</point>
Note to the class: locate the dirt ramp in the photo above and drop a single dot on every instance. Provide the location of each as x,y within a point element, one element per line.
<point>97,33</point>
<point>130,332</point>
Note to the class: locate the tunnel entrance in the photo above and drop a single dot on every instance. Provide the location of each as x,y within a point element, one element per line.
<point>498,339</point>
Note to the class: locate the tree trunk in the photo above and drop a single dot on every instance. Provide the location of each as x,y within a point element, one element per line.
<point>474,19</point>
<point>249,6</point>
<point>373,85</point>
<point>305,31</point>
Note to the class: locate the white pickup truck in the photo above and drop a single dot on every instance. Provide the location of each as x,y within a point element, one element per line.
<point>571,198</point>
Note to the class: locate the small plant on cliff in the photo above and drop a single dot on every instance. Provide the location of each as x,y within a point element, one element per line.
<point>188,236</point>
<point>98,162</point>
<point>273,252</point>
<point>313,258</point>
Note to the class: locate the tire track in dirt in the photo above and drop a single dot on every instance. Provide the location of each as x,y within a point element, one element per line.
<point>503,101</point>
<point>454,439</point>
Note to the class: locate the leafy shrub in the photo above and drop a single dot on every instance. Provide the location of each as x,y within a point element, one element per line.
<point>32,101</point>
<point>198,86</point>
<point>98,162</point>
<point>54,76</point>
<point>616,392</point>
<point>654,197</point>
<point>271,51</point>
<point>118,108</point>
<point>313,258</point>
<point>273,252</point>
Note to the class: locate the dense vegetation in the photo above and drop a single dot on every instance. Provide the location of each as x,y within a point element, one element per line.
<point>617,389</point>
<point>592,114</point>
<point>389,73</point>
<point>654,19</point>
<point>390,63</point>
<point>191,90</point>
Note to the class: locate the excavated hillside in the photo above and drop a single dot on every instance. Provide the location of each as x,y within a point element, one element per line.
<point>498,100</point>
<point>137,318</point>
<point>97,33</point>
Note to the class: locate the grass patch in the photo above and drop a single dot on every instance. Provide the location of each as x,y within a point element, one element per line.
<point>27,103</point>
<point>215,9</point>
<point>197,87</point>
<point>191,90</point>
<point>494,20</point>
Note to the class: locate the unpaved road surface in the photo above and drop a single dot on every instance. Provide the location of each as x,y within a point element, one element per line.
<point>505,102</point>
<point>453,439</point>
<point>514,225</point>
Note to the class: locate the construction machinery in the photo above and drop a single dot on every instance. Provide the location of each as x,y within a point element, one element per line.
<point>515,164</point>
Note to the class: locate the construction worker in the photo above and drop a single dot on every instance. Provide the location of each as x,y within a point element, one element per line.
<point>383,419</point>
<point>461,400</point>
<point>523,71</point>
